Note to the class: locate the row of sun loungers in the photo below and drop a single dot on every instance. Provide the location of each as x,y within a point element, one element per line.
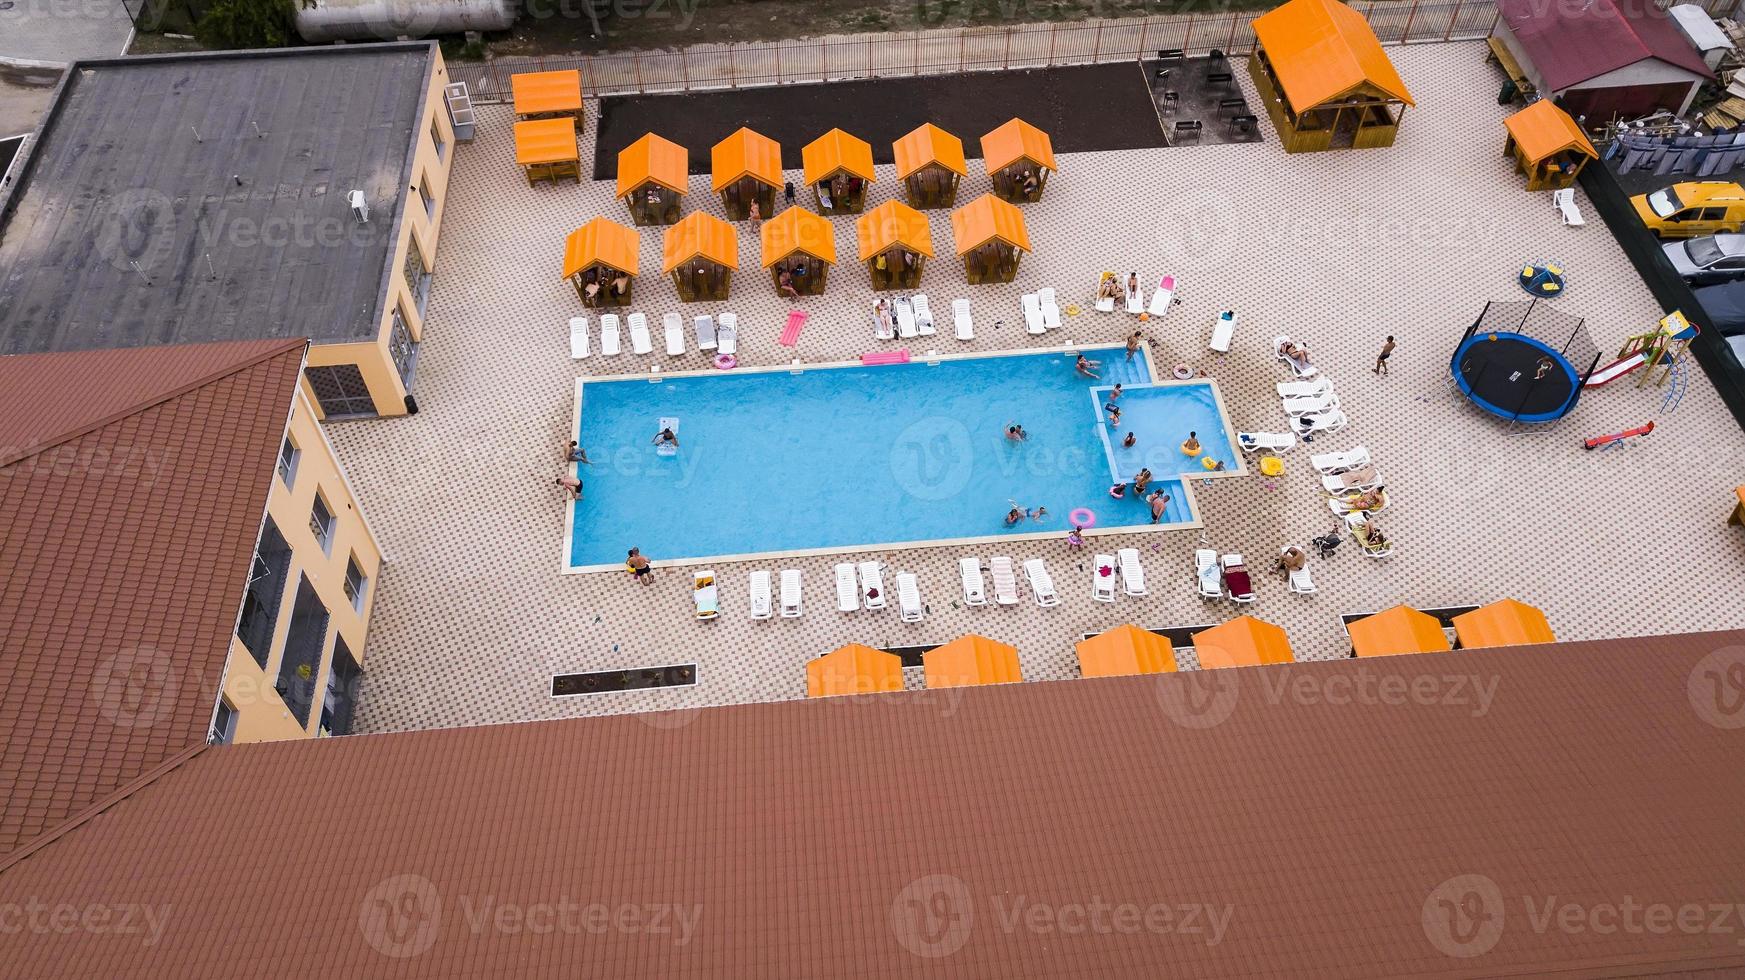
<point>722,338</point>
<point>1041,311</point>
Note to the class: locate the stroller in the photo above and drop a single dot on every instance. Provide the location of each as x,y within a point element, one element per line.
<point>1329,543</point>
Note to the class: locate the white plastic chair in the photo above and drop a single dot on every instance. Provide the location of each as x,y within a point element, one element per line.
<point>966,329</point>
<point>975,587</point>
<point>1132,572</point>
<point>791,607</point>
<point>1005,580</point>
<point>609,335</point>
<point>1050,308</point>
<point>727,334</point>
<point>1103,578</point>
<point>1206,574</point>
<point>640,342</point>
<point>1032,313</point>
<point>705,327</point>
<point>923,316</point>
<point>674,327</point>
<point>847,593</point>
<point>578,337</point>
<point>872,584</point>
<point>758,587</point>
<point>909,608</point>
<point>1041,583</point>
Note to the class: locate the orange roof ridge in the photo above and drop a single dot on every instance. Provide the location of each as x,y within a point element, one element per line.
<point>1544,128</point>
<point>702,234</point>
<point>1015,140</point>
<point>893,223</point>
<point>72,823</point>
<point>837,150</point>
<point>798,230</point>
<point>604,241</point>
<point>654,158</point>
<point>746,152</point>
<point>927,144</point>
<point>986,218</point>
<point>1320,49</point>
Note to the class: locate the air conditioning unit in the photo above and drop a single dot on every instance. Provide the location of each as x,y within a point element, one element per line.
<point>360,209</point>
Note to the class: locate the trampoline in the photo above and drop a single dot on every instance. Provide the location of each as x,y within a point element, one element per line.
<point>1514,362</point>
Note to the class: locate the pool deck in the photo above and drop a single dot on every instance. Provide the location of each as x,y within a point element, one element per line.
<point>1337,249</point>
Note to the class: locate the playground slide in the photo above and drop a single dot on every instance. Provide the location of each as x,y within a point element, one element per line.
<point>1616,370</point>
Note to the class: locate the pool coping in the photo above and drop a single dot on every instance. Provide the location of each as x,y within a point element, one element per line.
<point>931,358</point>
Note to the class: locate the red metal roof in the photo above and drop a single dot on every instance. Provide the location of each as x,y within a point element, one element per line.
<point>1571,43</point>
<point>1325,832</point>
<point>127,523</point>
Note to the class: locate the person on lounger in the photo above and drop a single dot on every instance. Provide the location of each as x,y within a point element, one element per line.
<point>1292,560</point>
<point>1158,500</point>
<point>1368,499</point>
<point>1108,288</point>
<point>1297,353</point>
<point>1369,537</point>
<point>667,437</point>
<point>1088,367</point>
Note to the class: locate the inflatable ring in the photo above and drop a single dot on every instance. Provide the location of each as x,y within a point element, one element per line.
<point>1209,463</point>
<point>1182,372</point>
<point>1083,517</point>
<point>1193,452</point>
<point>726,361</point>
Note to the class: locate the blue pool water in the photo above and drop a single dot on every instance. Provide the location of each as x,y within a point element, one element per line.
<point>854,456</point>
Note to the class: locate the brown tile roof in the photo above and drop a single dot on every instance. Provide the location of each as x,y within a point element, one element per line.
<point>129,508</point>
<point>1283,821</point>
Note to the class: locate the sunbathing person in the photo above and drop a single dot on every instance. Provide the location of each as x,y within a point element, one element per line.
<point>1088,367</point>
<point>666,437</point>
<point>1132,287</point>
<point>1353,479</point>
<point>1368,536</point>
<point>1108,288</point>
<point>1158,500</point>
<point>1297,353</point>
<point>1293,559</point>
<point>1368,499</point>
<point>883,312</point>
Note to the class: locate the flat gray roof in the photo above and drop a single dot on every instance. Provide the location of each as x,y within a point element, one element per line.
<point>202,197</point>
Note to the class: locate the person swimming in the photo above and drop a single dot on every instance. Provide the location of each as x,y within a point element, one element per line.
<point>1132,437</point>
<point>1015,432</point>
<point>1015,515</point>
<point>1038,514</point>
<point>1088,367</point>
<point>1114,411</point>
<point>666,437</point>
<point>1191,445</point>
<point>1141,480</point>
<point>1118,491</point>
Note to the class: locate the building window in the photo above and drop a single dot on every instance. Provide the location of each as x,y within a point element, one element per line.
<point>416,275</point>
<point>300,667</point>
<point>321,523</point>
<point>341,391</point>
<point>436,138</point>
<point>428,198</point>
<point>343,680</point>
<point>265,593</point>
<point>356,585</point>
<point>402,348</point>
<point>288,456</point>
<point>223,723</point>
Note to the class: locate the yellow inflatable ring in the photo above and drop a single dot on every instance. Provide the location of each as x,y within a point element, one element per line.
<point>1209,463</point>
<point>1190,452</point>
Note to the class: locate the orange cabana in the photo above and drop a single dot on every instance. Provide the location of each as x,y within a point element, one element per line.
<point>838,167</point>
<point>895,243</point>
<point>1242,642</point>
<point>1123,651</point>
<point>1547,146</point>
<point>1401,629</point>
<point>930,163</point>
<point>1324,78</point>
<point>854,669</point>
<point>991,238</point>
<point>540,94</point>
<point>798,250</point>
<point>971,660</point>
<point>745,168</point>
<point>599,259</point>
<point>1019,158</point>
<point>1504,623</point>
<point>546,149</point>
<point>700,254</point>
<point>653,175</point>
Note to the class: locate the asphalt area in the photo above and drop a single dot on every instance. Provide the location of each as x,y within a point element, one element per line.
<point>1203,91</point>
<point>1081,107</point>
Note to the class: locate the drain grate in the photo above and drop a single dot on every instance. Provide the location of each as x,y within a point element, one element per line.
<point>631,679</point>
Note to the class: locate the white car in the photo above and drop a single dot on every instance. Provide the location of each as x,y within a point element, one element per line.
<point>1710,259</point>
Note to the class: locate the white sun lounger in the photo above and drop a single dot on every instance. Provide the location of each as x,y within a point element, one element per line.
<point>884,327</point>
<point>578,337</point>
<point>1032,313</point>
<point>1103,578</point>
<point>758,587</point>
<point>966,328</point>
<point>791,608</point>
<point>847,592</point>
<point>1005,581</point>
<point>1276,442</point>
<point>640,343</point>
<point>705,329</point>
<point>1564,201</point>
<point>1223,331</point>
<point>1132,572</point>
<point>727,334</point>
<point>609,335</point>
<point>923,316</point>
<point>906,328</point>
<point>1330,463</point>
<point>1050,308</point>
<point>909,608</point>
<point>1104,304</point>
<point>1041,583</point>
<point>674,326</point>
<point>1331,420</point>
<point>1326,401</point>
<point>1135,300</point>
<point>705,595</point>
<point>1165,295</point>
<point>1299,582</point>
<point>1234,562</point>
<point>975,587</point>
<point>1357,520</point>
<point>1209,579</point>
<point>1303,389</point>
<point>1363,478</point>
<point>872,584</point>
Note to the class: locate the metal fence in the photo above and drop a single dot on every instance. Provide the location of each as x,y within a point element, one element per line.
<point>933,52</point>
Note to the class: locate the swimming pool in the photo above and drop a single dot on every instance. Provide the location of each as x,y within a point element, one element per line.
<point>851,458</point>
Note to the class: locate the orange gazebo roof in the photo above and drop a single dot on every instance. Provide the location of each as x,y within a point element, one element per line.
<point>893,223</point>
<point>545,141</point>
<point>546,91</point>
<point>652,158</point>
<point>1017,140</point>
<point>986,218</point>
<point>1322,49</point>
<point>1504,623</point>
<point>603,241</point>
<point>971,660</point>
<point>837,150</point>
<point>1242,642</point>
<point>1125,650</point>
<point>927,144</point>
<point>798,230</point>
<point>1544,129</point>
<point>1401,629</point>
<point>854,669</point>
<point>746,152</point>
<point>700,234</point>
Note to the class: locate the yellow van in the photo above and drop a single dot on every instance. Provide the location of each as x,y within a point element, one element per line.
<point>1693,208</point>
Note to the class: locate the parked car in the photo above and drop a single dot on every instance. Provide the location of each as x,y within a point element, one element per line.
<point>1710,259</point>
<point>1692,208</point>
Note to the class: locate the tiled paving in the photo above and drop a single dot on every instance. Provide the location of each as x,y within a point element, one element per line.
<point>1336,249</point>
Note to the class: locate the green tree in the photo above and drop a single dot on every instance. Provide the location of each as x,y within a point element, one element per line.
<point>245,24</point>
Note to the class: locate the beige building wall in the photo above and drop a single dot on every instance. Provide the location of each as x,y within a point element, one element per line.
<point>261,715</point>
